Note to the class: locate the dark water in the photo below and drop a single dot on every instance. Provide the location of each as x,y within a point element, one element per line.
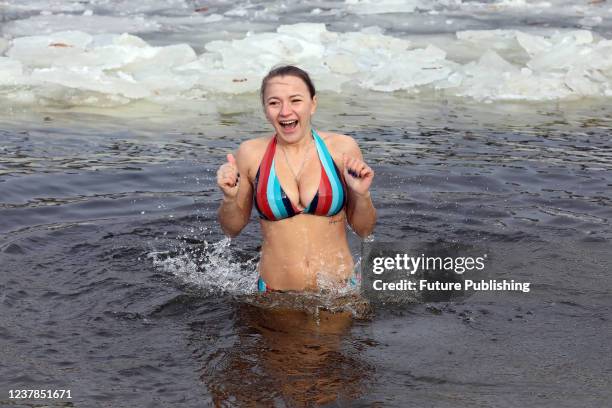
<point>117,284</point>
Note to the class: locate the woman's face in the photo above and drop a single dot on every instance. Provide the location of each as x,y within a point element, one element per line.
<point>288,107</point>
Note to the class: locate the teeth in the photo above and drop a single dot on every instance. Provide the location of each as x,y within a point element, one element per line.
<point>287,122</point>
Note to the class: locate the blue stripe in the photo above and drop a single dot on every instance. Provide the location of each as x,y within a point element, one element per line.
<point>332,175</point>
<point>270,192</point>
<point>342,195</point>
<point>278,198</point>
<point>261,285</point>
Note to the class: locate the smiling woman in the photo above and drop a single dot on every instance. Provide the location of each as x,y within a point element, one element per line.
<point>305,184</point>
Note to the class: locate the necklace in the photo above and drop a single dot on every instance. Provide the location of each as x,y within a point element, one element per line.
<point>296,175</point>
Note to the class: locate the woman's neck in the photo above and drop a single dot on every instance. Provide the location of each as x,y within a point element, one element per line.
<point>299,145</point>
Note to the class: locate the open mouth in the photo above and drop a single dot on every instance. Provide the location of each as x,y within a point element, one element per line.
<point>288,124</point>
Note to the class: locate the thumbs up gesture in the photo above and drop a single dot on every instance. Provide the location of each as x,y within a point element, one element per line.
<point>228,177</point>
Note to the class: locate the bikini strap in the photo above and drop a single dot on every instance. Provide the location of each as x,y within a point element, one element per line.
<point>333,175</point>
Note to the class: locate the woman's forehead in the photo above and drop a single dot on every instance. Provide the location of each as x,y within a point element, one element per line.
<point>282,84</point>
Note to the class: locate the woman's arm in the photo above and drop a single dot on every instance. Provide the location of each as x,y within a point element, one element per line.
<point>360,211</point>
<point>232,178</point>
<point>361,214</point>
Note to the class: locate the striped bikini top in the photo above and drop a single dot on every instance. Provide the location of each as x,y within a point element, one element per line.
<point>271,200</point>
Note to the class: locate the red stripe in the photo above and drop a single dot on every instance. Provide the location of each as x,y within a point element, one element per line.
<point>325,194</point>
<point>264,175</point>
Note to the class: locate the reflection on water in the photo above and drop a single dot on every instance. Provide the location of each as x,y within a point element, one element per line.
<point>285,355</point>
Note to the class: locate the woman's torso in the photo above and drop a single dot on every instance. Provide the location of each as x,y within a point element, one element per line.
<point>303,251</point>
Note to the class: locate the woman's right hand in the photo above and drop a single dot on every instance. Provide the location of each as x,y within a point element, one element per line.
<point>228,177</point>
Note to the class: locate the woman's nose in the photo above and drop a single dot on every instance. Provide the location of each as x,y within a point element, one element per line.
<point>285,110</point>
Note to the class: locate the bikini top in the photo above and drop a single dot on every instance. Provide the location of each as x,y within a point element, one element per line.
<point>272,202</point>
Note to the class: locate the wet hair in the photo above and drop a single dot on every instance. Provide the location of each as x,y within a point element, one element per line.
<point>287,70</point>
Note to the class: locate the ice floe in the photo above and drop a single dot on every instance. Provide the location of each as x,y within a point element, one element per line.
<point>74,67</point>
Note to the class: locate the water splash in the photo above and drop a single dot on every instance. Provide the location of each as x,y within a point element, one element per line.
<point>221,268</point>
<point>216,267</point>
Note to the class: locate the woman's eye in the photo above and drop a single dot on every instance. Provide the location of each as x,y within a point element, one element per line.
<point>296,100</point>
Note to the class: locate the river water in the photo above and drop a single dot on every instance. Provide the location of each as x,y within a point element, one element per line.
<point>117,283</point>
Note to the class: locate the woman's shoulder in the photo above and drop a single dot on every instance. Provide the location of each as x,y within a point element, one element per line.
<point>254,147</point>
<point>251,151</point>
<point>339,142</point>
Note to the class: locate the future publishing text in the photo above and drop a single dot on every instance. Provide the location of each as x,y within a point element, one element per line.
<point>459,265</point>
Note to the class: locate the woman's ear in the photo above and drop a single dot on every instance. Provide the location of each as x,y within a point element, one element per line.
<point>314,105</point>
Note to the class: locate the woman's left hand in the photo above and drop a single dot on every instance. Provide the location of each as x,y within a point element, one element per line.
<point>357,174</point>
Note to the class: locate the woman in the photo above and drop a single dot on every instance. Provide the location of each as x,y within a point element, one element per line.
<point>305,184</point>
